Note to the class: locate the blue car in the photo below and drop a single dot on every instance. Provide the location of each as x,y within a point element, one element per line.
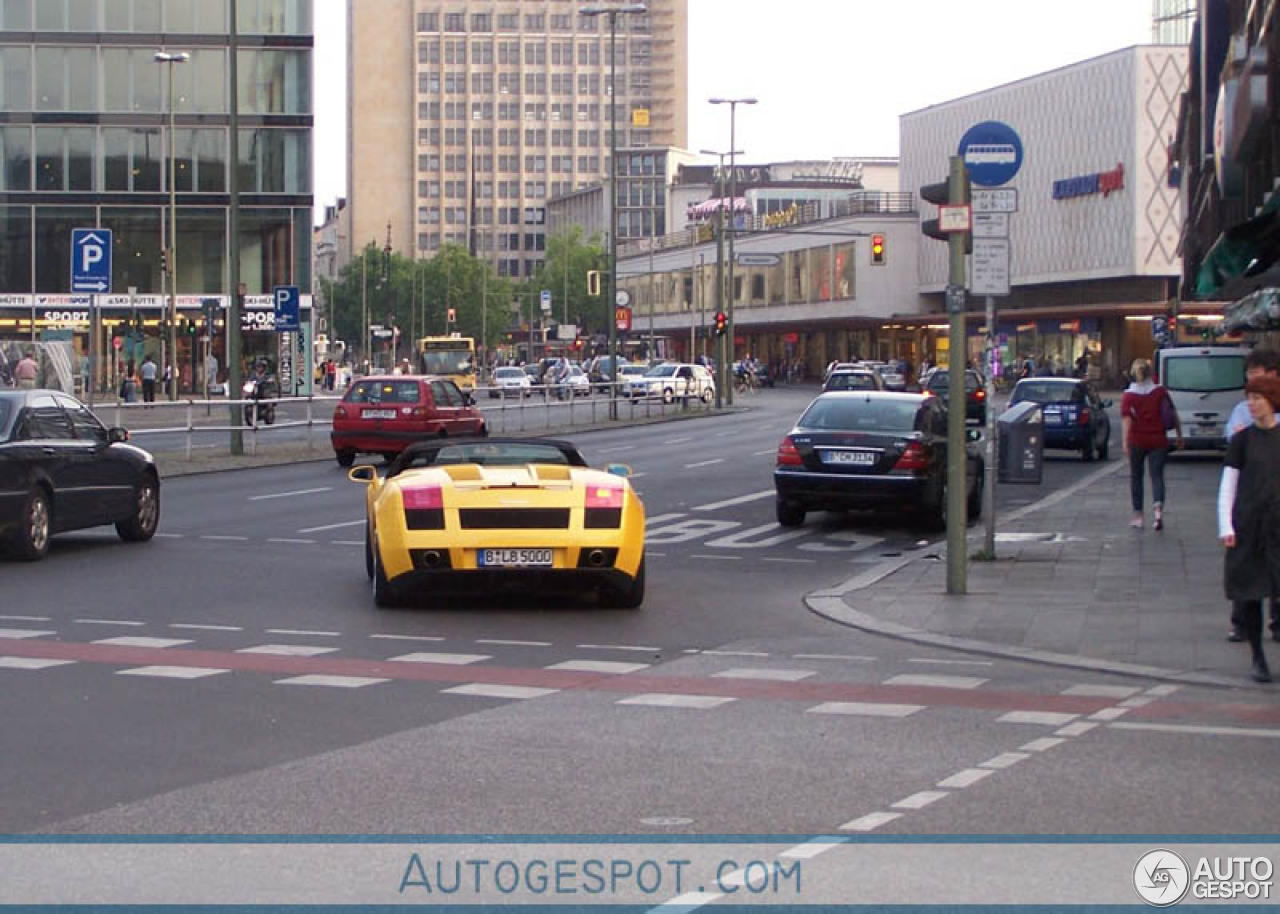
<point>1075,418</point>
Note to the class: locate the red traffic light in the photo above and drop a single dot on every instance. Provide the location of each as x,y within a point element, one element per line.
<point>722,323</point>
<point>877,250</point>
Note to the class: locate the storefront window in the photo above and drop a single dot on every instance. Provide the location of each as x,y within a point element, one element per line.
<point>15,146</point>
<point>275,82</point>
<point>202,250</point>
<point>201,161</point>
<point>265,248</point>
<point>844,270</point>
<point>53,244</point>
<point>798,277</point>
<point>275,161</point>
<point>132,158</point>
<point>64,158</point>
<point>135,247</point>
<point>15,79</point>
<point>776,279</point>
<point>820,274</point>
<point>15,248</point>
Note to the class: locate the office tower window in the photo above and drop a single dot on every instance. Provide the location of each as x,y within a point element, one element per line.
<point>481,22</point>
<point>508,22</point>
<point>428,22</point>
<point>429,51</point>
<point>15,153</point>
<point>455,22</point>
<point>66,79</point>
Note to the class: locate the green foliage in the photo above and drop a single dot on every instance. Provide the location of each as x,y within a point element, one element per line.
<point>564,272</point>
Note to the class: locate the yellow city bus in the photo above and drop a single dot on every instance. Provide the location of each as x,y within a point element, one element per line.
<point>452,357</point>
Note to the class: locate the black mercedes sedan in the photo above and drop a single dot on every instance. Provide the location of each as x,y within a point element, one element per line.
<point>871,450</point>
<point>61,469</point>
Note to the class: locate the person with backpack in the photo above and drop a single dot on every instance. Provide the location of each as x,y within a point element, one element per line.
<point>1147,415</point>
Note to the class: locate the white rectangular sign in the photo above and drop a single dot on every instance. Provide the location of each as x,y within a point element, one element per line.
<point>953,218</point>
<point>990,267</point>
<point>995,199</point>
<point>990,225</point>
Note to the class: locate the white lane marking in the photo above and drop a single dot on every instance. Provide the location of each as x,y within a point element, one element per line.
<point>637,475</point>
<point>655,555</point>
<point>688,530</point>
<point>347,543</point>
<point>638,648</point>
<point>717,558</point>
<point>870,822</point>
<point>793,561</point>
<point>408,637</point>
<point>337,682</point>
<point>1138,701</point>
<point>730,502</point>
<point>1101,691</point>
<point>1005,759</point>
<point>662,700</point>
<point>660,519</point>
<point>1201,731</point>
<point>172,672</point>
<point>20,633</point>
<point>864,709</point>
<point>950,662</point>
<point>1042,744</point>
<point>294,542</point>
<point>289,494</point>
<point>810,849</point>
<point>1162,690</point>
<point>943,682</point>
<point>745,539</point>
<point>170,536</point>
<point>445,659</point>
<point>487,690</point>
<point>832,657</point>
<point>735,653</point>
<point>1109,714</point>
<point>206,628</point>
<point>772,675</point>
<point>598,666</point>
<point>350,523</point>
<point>772,451</point>
<point>966,778</point>
<point>26,618</point>
<point>230,539</point>
<point>287,650</point>
<point>616,450</point>
<point>301,631</point>
<point>727,435</point>
<point>500,641</point>
<point>107,622</point>
<point>143,642</point>
<point>704,463</point>
<point>920,800</point>
<point>29,663</point>
<point>677,440</point>
<point>1077,729</point>
<point>1047,718</point>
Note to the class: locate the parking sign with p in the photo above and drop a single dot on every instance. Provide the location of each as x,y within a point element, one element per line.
<point>91,260</point>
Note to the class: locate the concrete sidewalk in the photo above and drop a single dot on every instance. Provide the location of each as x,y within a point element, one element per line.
<point>1074,585</point>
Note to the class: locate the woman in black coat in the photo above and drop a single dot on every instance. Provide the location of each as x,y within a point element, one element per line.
<point>1249,515</point>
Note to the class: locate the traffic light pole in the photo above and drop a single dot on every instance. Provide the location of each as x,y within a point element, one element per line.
<point>957,557</point>
<point>721,375</point>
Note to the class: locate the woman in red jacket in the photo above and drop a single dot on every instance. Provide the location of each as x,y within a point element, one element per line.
<point>1146,413</point>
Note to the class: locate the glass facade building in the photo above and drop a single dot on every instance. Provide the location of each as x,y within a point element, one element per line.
<point>84,142</point>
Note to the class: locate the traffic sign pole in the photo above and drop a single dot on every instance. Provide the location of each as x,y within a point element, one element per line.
<point>957,557</point>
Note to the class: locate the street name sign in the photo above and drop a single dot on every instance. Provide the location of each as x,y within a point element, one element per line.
<point>995,200</point>
<point>992,153</point>
<point>990,274</point>
<point>288,308</point>
<point>748,259</point>
<point>91,260</point>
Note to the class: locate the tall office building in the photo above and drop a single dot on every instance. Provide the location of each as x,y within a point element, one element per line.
<point>88,89</point>
<point>466,116</point>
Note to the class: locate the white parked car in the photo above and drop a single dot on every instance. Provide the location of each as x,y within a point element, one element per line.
<point>578,382</point>
<point>510,381</point>
<point>673,381</point>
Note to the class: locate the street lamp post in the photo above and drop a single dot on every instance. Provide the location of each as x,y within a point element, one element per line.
<point>724,378</point>
<point>171,242</point>
<point>733,104</point>
<point>613,12</point>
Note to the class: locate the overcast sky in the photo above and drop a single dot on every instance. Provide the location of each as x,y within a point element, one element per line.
<point>831,76</point>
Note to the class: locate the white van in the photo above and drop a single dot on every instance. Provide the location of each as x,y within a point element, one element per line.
<point>1205,383</point>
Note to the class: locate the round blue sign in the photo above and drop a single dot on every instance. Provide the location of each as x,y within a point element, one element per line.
<point>992,152</point>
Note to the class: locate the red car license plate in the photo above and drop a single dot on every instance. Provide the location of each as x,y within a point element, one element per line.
<point>515,558</point>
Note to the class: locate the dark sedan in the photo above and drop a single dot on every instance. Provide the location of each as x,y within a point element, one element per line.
<point>1075,417</point>
<point>975,393</point>
<point>61,469</point>
<point>871,449</point>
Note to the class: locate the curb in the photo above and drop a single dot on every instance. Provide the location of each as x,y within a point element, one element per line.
<point>830,604</point>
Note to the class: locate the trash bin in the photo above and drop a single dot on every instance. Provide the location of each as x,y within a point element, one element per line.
<point>1020,431</point>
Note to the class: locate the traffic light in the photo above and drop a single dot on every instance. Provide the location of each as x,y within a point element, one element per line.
<point>940,195</point>
<point>877,250</point>
<point>164,260</point>
<point>593,282</point>
<point>191,327</point>
<point>1173,328</point>
<point>722,323</point>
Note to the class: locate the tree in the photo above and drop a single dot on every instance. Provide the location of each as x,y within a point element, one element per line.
<point>569,258</point>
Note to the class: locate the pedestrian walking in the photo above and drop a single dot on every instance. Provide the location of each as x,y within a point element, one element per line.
<point>1249,516</point>
<point>1147,414</point>
<point>26,371</point>
<point>1260,363</point>
<point>147,372</point>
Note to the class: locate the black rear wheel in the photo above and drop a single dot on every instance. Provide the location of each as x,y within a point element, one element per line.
<point>629,596</point>
<point>345,458</point>
<point>788,513</point>
<point>385,595</point>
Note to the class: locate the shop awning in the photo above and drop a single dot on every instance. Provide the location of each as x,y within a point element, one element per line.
<point>708,208</point>
<point>1258,310</point>
<point>1244,257</point>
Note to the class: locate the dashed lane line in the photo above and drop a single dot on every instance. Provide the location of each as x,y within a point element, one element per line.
<point>732,502</point>
<point>290,494</point>
<point>350,523</point>
<point>129,622</point>
<point>703,463</point>
<point>302,632</point>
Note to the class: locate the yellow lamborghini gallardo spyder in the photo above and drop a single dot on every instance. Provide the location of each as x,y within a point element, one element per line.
<point>528,513</point>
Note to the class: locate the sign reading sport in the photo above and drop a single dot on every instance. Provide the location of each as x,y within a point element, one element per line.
<point>992,152</point>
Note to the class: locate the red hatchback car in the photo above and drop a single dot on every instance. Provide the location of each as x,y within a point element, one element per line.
<point>385,414</point>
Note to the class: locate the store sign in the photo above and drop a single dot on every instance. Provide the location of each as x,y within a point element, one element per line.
<point>1103,182</point>
<point>66,317</point>
<point>258,320</point>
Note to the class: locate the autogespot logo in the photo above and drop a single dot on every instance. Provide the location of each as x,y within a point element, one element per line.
<point>1161,878</point>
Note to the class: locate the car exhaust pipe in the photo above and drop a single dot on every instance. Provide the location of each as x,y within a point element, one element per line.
<point>595,558</point>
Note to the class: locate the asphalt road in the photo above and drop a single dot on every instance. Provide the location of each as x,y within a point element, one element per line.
<point>233,676</point>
